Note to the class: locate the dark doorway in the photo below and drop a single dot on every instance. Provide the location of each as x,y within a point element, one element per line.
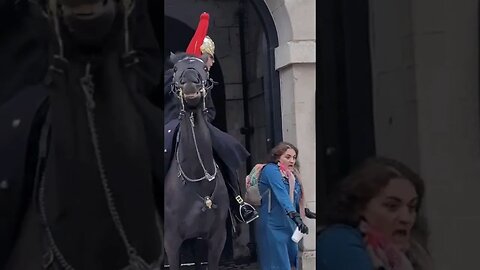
<point>344,119</point>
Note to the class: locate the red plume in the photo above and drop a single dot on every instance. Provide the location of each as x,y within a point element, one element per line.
<point>199,36</point>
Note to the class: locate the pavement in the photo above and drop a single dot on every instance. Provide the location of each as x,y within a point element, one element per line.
<point>247,266</point>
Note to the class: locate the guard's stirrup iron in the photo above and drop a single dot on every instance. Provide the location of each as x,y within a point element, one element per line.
<point>246,211</point>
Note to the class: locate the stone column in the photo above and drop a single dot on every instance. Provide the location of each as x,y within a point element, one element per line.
<point>425,63</point>
<point>295,60</point>
<point>446,71</point>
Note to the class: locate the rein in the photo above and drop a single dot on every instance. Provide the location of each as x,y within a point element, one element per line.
<point>135,261</point>
<point>182,173</point>
<point>207,200</point>
<point>178,91</point>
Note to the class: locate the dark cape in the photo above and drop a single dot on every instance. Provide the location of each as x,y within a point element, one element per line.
<point>129,134</point>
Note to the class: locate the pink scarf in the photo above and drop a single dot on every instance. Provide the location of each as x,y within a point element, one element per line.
<point>382,252</point>
<point>291,176</point>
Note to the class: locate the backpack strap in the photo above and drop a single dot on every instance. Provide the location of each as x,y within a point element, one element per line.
<point>260,170</point>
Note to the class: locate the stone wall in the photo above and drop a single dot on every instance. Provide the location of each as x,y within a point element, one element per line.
<point>295,60</point>
<point>425,59</point>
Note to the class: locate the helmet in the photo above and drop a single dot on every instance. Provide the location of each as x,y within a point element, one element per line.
<point>208,46</point>
<point>201,43</point>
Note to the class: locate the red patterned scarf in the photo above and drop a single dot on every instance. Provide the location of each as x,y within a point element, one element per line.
<point>291,176</point>
<point>383,253</point>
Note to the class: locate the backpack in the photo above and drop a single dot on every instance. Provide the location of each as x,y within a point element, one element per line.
<point>252,194</point>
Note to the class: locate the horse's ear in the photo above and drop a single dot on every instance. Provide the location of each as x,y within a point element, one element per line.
<point>172,57</point>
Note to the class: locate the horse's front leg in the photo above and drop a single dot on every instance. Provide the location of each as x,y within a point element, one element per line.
<point>216,243</point>
<point>172,244</point>
<point>197,251</point>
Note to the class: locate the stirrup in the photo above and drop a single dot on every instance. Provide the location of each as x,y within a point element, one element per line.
<point>252,209</point>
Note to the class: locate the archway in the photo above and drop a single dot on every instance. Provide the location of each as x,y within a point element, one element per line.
<point>248,106</point>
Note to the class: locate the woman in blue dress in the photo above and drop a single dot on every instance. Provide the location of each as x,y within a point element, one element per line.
<point>281,210</point>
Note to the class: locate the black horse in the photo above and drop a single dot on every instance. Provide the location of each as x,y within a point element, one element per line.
<point>196,197</point>
<point>96,145</point>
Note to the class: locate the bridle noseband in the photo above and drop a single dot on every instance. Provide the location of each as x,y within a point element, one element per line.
<point>206,83</point>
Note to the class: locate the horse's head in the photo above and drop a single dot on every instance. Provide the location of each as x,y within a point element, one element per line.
<point>190,80</point>
<point>88,21</point>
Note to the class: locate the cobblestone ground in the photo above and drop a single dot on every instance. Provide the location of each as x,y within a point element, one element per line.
<point>250,266</point>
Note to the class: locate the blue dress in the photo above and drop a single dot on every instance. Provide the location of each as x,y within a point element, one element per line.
<point>341,247</point>
<point>274,229</point>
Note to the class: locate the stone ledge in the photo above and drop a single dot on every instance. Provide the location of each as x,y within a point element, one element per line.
<point>308,260</point>
<point>295,52</point>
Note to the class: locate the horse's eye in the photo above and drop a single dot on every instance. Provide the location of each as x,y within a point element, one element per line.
<point>175,69</point>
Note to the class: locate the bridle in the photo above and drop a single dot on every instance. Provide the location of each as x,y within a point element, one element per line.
<point>198,66</point>
<point>54,10</point>
<point>205,84</point>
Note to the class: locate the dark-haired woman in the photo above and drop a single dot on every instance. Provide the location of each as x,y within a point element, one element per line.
<point>281,210</point>
<point>372,219</point>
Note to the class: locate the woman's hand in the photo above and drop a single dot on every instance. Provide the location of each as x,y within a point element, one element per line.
<point>298,220</point>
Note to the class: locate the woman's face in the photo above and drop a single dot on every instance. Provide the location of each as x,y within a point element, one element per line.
<point>393,211</point>
<point>289,158</point>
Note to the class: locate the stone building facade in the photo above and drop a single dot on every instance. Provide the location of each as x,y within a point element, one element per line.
<point>426,102</point>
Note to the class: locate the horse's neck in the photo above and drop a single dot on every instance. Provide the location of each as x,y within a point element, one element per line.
<point>114,113</point>
<point>198,139</point>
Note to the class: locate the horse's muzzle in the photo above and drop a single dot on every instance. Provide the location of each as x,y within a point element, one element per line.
<point>89,21</point>
<point>191,91</point>
<point>193,95</point>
